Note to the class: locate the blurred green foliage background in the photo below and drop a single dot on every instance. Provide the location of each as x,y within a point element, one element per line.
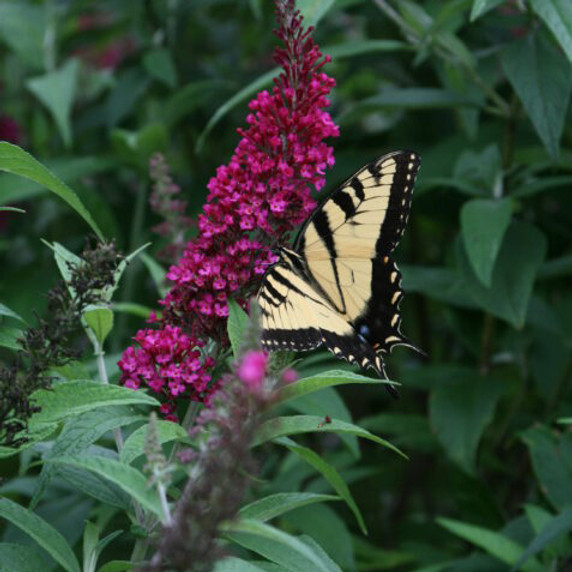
<point>481,89</point>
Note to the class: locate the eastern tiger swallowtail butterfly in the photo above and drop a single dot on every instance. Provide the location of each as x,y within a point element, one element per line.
<point>337,285</point>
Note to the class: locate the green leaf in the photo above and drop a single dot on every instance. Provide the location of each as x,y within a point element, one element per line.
<point>73,398</point>
<point>124,476</point>
<point>13,188</point>
<point>35,434</point>
<point>5,311</point>
<point>135,148</point>
<point>275,545</point>
<point>324,530</point>
<point>56,90</point>
<point>12,210</point>
<point>137,310</point>
<point>439,283</point>
<point>77,435</point>
<point>240,96</point>
<point>17,161</point>
<point>135,443</point>
<point>329,473</point>
<point>542,184</point>
<point>265,80</point>
<point>522,252</point>
<point>9,337</point>
<point>542,80</point>
<point>271,506</point>
<point>20,558</point>
<point>23,28</point>
<point>237,322</point>
<point>117,566</point>
<point>480,170</point>
<point>557,15</point>
<point>494,543</point>
<point>296,424</point>
<point>326,379</point>
<point>552,463</point>
<point>554,529</point>
<point>483,225</point>
<point>157,273</point>
<point>361,47</point>
<point>459,410</point>
<point>42,532</point>
<point>326,402</point>
<point>481,7</point>
<point>190,97</point>
<point>159,64</point>
<point>100,320</point>
<point>233,564</point>
<point>313,10</point>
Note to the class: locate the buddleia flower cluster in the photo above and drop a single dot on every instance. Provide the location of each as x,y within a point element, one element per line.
<point>253,202</point>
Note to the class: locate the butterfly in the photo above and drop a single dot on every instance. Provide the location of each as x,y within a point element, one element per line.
<point>338,285</point>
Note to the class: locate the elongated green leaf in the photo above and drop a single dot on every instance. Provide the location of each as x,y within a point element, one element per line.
<point>314,10</point>
<point>327,402</point>
<point>557,15</point>
<point>42,532</point>
<point>275,505</point>
<point>13,188</point>
<point>541,77</point>
<point>361,47</point>
<point>190,97</point>
<point>558,526</point>
<point>5,311</point>
<point>265,80</point>
<point>483,224</point>
<point>552,463</point>
<point>459,410</point>
<point>76,397</point>
<point>277,546</point>
<point>117,566</point>
<point>233,564</point>
<point>296,424</point>
<point>481,7</point>
<point>494,543</point>
<point>521,254</point>
<point>20,558</point>
<point>134,445</point>
<point>56,90</point>
<point>242,95</point>
<point>17,161</point>
<point>124,476</point>
<point>328,472</point>
<point>9,337</point>
<point>326,379</point>
<point>324,530</point>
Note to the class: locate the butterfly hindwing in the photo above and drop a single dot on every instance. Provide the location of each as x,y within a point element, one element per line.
<point>338,285</point>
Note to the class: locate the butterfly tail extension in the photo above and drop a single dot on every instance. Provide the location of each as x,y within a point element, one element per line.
<point>357,351</point>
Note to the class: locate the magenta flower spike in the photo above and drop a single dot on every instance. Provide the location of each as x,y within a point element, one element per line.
<point>253,203</point>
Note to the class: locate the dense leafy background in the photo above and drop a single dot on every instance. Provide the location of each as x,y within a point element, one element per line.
<point>481,89</point>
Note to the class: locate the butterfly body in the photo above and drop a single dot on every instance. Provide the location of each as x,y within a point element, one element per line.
<point>337,285</point>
